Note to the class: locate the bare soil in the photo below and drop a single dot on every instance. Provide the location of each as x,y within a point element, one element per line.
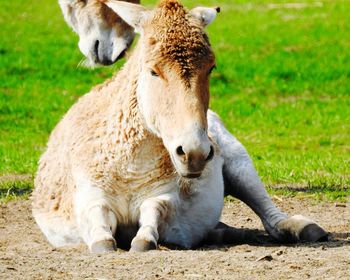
<point>25,253</point>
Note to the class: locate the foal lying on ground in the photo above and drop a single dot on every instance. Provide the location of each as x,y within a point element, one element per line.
<point>136,152</point>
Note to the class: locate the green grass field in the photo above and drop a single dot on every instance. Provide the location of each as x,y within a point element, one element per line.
<point>282,87</point>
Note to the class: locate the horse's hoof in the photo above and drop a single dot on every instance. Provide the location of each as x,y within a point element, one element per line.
<point>142,245</point>
<point>299,228</point>
<point>103,246</point>
<point>313,233</point>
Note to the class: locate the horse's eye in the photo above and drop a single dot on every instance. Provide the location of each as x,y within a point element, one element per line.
<point>154,73</point>
<point>211,69</point>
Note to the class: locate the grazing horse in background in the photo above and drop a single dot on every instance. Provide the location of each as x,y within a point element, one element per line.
<point>240,177</point>
<point>103,36</point>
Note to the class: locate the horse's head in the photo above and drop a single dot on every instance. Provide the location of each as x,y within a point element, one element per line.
<point>103,35</point>
<point>175,61</point>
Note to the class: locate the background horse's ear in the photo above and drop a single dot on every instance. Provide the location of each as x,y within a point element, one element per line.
<point>205,15</point>
<point>132,14</point>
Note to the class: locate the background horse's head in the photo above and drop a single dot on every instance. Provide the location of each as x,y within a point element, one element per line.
<point>103,35</point>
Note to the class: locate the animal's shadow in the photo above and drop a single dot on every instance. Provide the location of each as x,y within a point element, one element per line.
<point>261,238</point>
<point>226,237</point>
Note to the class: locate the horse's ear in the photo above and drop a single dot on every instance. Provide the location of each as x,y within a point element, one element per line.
<point>132,14</point>
<point>205,15</point>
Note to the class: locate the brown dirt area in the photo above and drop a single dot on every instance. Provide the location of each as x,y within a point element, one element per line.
<point>25,254</point>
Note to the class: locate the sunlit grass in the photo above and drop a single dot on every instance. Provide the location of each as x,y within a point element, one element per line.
<point>281,85</point>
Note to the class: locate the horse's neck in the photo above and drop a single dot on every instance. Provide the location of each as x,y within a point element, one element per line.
<point>135,144</point>
<point>127,116</point>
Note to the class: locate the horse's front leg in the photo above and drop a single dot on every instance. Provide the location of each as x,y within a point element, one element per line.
<point>153,212</point>
<point>242,182</point>
<point>96,221</point>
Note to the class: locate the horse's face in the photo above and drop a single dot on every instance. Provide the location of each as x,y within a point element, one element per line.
<point>103,35</point>
<point>173,85</point>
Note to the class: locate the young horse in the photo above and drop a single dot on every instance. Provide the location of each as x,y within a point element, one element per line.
<point>106,169</point>
<point>136,151</point>
<point>104,38</point>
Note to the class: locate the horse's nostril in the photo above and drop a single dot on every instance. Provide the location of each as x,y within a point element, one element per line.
<point>211,154</point>
<point>106,61</point>
<point>97,42</point>
<point>180,151</point>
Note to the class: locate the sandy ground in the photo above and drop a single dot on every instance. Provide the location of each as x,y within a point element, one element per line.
<point>25,254</point>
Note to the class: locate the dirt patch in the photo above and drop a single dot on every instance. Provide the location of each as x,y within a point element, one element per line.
<point>25,254</point>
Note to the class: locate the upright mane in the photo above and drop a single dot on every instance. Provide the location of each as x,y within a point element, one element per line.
<point>181,38</point>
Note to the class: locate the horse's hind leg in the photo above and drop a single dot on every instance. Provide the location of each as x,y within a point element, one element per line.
<point>58,230</point>
<point>242,181</point>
